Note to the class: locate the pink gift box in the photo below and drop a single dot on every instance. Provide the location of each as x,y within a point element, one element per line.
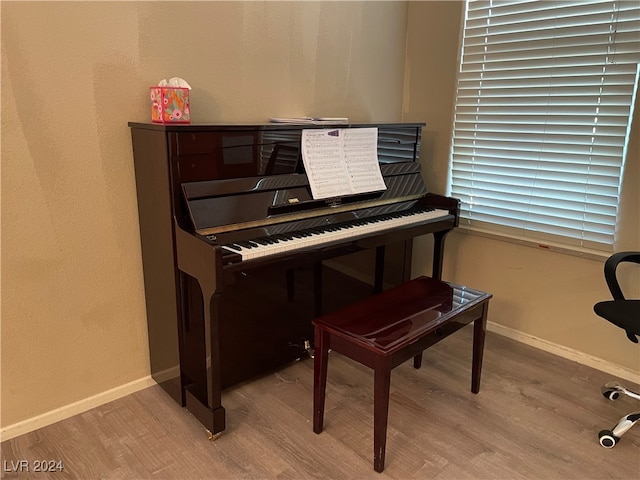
<point>170,105</point>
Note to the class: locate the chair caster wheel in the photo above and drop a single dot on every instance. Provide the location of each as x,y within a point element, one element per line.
<point>608,439</point>
<point>611,394</point>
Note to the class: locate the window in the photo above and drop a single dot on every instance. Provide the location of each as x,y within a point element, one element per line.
<point>543,109</point>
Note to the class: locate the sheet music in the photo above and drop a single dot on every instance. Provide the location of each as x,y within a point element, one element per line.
<point>360,148</point>
<point>341,161</point>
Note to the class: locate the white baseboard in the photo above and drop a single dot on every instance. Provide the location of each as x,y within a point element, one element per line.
<point>565,352</point>
<point>75,408</point>
<point>81,406</point>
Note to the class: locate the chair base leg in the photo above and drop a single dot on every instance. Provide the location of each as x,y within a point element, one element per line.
<point>609,438</point>
<point>613,390</point>
<point>626,423</point>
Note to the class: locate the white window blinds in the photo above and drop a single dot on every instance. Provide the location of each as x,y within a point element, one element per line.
<point>543,109</point>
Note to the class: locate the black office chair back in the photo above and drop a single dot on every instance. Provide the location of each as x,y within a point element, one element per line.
<point>622,312</point>
<point>610,267</point>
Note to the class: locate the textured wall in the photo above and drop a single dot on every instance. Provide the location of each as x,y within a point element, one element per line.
<point>73,75</point>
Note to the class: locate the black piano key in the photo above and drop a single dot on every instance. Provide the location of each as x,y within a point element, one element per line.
<point>246,244</point>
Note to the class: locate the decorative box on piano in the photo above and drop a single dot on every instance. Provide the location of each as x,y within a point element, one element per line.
<point>239,257</point>
<point>170,105</point>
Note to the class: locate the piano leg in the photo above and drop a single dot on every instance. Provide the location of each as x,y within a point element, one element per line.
<point>290,283</point>
<point>438,253</point>
<point>214,392</point>
<point>198,260</point>
<point>438,257</point>
<point>379,272</point>
<point>408,252</point>
<point>211,414</point>
<point>317,288</point>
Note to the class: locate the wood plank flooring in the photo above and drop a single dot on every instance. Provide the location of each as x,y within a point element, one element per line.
<point>537,416</point>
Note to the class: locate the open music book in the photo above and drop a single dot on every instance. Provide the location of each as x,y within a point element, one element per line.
<point>341,161</point>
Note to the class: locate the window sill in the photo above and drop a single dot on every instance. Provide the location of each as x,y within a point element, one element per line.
<point>547,246</point>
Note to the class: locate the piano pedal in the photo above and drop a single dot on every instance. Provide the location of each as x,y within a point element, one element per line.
<point>304,346</point>
<point>308,349</point>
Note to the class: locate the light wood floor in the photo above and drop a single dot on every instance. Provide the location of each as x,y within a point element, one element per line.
<point>536,417</point>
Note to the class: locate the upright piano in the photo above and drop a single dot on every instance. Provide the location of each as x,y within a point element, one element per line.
<point>238,256</point>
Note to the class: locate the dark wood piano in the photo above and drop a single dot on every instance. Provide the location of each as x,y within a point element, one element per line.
<point>238,257</point>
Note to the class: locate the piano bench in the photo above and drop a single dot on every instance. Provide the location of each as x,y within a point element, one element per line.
<point>388,328</point>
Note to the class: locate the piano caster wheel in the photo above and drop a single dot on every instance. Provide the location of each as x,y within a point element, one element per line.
<point>213,436</point>
<point>608,439</point>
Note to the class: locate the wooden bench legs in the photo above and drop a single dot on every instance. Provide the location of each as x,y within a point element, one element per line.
<point>479,331</point>
<point>381,387</point>
<point>381,384</point>
<point>320,360</point>
<point>343,332</point>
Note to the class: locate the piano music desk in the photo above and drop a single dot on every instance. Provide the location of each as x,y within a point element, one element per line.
<point>385,330</point>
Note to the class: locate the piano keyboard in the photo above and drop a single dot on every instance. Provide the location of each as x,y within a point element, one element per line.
<point>318,236</point>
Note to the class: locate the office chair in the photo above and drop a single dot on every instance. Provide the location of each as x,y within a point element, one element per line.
<point>623,313</point>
